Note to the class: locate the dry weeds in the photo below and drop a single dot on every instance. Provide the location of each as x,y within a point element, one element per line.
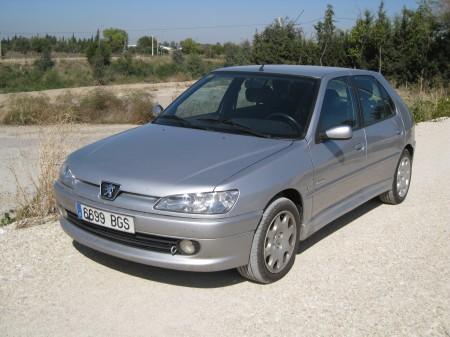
<point>97,106</point>
<point>38,207</point>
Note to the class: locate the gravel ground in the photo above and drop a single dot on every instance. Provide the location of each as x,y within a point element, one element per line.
<point>378,271</point>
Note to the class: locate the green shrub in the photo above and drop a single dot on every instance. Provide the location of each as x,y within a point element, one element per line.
<point>6,219</point>
<point>425,108</point>
<point>45,62</point>
<point>195,66</point>
<point>442,108</point>
<point>178,57</point>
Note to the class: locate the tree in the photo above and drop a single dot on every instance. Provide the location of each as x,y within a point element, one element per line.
<point>189,46</point>
<point>237,55</point>
<point>279,43</point>
<point>361,41</point>
<point>381,33</point>
<point>116,38</point>
<point>99,56</point>
<point>144,45</point>
<point>195,65</point>
<point>325,34</point>
<point>413,40</point>
<point>45,62</point>
<point>178,57</point>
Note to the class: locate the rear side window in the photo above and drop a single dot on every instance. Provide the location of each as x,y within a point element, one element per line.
<point>375,102</point>
<point>337,107</point>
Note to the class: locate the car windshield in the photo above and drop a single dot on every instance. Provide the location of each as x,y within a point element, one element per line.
<point>258,105</point>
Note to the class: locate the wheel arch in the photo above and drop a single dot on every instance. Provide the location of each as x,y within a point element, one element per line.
<point>410,148</point>
<point>293,195</point>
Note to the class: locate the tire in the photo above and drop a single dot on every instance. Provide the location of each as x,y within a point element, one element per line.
<point>402,181</point>
<point>279,226</point>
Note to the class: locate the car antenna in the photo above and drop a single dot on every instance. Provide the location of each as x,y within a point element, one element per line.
<point>261,68</point>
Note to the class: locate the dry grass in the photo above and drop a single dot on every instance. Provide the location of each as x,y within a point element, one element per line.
<point>97,106</point>
<point>38,207</point>
<point>427,104</point>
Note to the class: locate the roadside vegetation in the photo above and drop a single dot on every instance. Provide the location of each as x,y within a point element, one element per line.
<point>98,106</point>
<point>78,73</point>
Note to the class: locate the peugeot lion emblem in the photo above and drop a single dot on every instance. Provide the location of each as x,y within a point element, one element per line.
<point>109,191</point>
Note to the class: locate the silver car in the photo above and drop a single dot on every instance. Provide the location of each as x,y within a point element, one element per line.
<point>240,168</point>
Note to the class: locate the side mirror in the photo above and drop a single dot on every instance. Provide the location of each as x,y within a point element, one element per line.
<point>340,132</point>
<point>157,109</point>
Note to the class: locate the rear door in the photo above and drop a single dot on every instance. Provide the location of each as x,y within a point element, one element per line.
<point>337,163</point>
<point>384,130</point>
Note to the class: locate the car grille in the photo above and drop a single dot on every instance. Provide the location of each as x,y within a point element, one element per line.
<point>139,240</point>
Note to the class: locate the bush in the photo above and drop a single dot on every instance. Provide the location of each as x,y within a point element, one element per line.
<point>195,66</point>
<point>178,57</point>
<point>427,107</point>
<point>26,110</point>
<point>442,108</point>
<point>98,106</point>
<point>45,62</point>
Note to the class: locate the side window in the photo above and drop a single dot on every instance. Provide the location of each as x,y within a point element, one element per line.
<point>388,102</point>
<point>337,107</point>
<point>375,102</point>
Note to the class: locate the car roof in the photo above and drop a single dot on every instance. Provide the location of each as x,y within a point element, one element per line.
<point>298,70</point>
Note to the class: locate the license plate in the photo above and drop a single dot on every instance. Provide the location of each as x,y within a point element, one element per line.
<point>103,218</point>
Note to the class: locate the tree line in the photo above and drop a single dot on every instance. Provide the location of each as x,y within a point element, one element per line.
<point>414,46</point>
<point>411,47</point>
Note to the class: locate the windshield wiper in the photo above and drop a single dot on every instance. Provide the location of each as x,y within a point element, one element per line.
<point>175,118</point>
<point>238,127</point>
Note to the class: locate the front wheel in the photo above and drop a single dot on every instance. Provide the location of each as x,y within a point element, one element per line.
<point>275,243</point>
<point>402,181</point>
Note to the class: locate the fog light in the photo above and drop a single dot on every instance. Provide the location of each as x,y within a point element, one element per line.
<point>187,247</point>
<point>62,212</point>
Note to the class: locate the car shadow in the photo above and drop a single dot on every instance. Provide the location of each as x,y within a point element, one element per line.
<point>175,277</point>
<point>338,224</point>
<point>213,279</point>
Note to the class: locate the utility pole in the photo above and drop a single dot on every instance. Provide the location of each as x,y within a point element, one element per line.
<point>152,46</point>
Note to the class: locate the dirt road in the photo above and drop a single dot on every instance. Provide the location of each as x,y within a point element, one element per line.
<point>379,271</point>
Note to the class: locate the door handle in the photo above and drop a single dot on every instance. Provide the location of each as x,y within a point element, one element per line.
<point>359,147</point>
<point>398,132</point>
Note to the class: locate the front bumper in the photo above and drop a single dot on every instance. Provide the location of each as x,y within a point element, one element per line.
<point>225,243</point>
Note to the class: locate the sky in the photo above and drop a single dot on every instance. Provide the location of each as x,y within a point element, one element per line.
<point>202,20</point>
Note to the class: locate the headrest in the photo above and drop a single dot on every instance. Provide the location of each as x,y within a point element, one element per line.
<point>331,97</point>
<point>258,95</point>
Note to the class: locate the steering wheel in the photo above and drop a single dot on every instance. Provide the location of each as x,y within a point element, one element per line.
<point>287,118</point>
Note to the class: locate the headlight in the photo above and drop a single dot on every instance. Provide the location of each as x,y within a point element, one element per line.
<point>66,176</point>
<point>199,203</point>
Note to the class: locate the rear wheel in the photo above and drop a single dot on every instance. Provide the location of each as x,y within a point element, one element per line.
<point>402,181</point>
<point>275,243</point>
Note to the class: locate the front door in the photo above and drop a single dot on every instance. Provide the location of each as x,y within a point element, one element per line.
<point>338,164</point>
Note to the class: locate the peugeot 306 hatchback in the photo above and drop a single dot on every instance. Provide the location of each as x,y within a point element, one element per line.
<point>240,168</point>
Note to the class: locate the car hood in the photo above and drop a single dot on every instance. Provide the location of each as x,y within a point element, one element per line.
<point>159,160</point>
